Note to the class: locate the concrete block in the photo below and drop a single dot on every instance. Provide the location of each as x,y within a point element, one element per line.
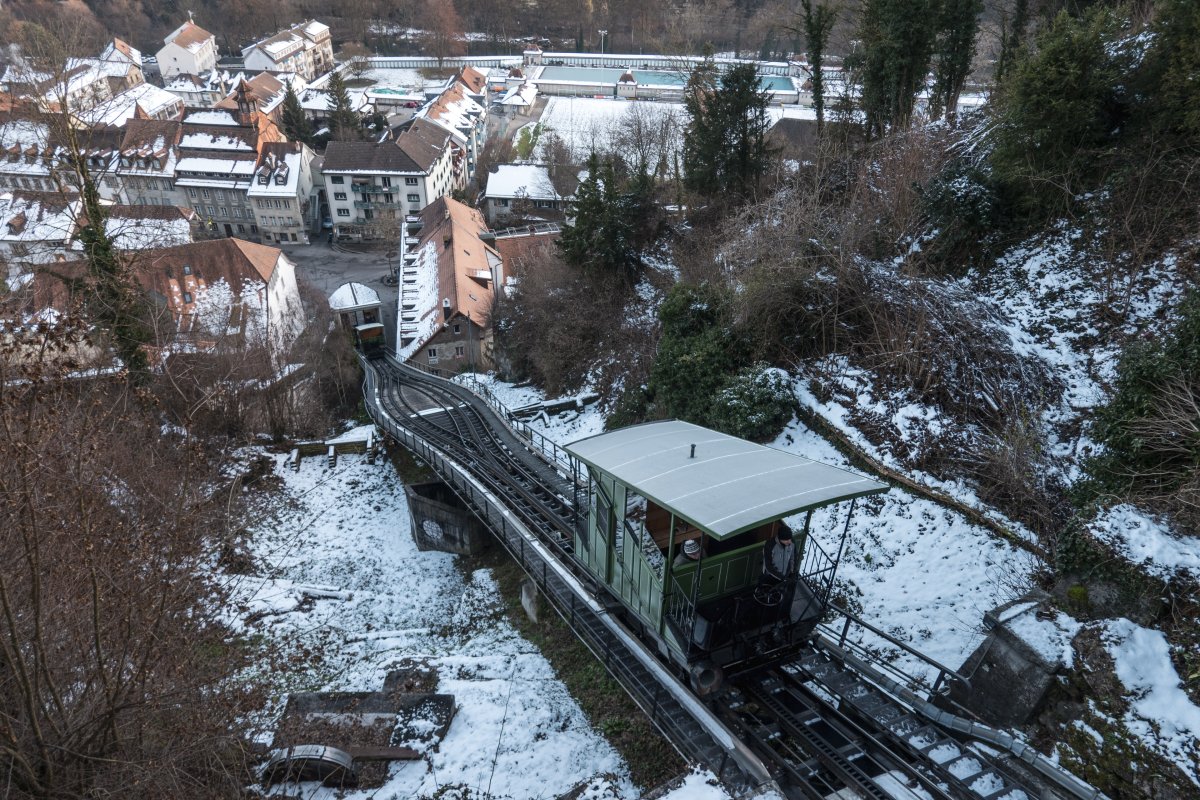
<point>530,601</point>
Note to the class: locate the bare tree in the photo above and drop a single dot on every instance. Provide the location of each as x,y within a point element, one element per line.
<point>444,30</point>
<point>115,668</point>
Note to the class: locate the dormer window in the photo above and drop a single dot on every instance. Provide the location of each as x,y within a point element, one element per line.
<point>187,269</point>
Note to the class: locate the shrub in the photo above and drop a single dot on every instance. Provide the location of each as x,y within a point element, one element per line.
<point>1150,428</point>
<point>755,404</point>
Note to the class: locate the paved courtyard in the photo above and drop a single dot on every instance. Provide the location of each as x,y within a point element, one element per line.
<point>326,268</point>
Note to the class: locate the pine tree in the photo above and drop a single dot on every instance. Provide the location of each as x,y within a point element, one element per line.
<point>897,38</point>
<point>954,51</point>
<point>601,238</point>
<point>818,22</point>
<point>295,126</point>
<point>724,147</point>
<point>344,122</point>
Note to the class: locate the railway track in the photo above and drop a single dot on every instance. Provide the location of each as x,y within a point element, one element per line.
<point>823,726</point>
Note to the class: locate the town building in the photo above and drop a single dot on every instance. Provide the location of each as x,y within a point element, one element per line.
<point>35,228</point>
<point>189,49</point>
<point>372,186</point>
<point>458,113</point>
<point>144,101</point>
<point>306,49</point>
<point>201,91</point>
<point>212,293</point>
<point>280,194</point>
<point>520,193</point>
<point>219,153</point>
<point>448,286</point>
<point>142,172</point>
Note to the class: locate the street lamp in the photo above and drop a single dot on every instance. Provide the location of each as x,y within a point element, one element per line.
<point>602,35</point>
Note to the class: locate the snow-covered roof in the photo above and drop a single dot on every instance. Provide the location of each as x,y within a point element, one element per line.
<point>38,218</point>
<point>221,166</point>
<point>351,296</point>
<point>205,140</point>
<point>520,180</point>
<point>210,117</point>
<point>282,174</point>
<point>132,231</point>
<point>719,483</point>
<point>122,108</point>
<point>523,95</point>
<point>24,134</point>
<point>189,36</point>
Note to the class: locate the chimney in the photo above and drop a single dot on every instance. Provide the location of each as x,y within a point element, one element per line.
<point>693,455</point>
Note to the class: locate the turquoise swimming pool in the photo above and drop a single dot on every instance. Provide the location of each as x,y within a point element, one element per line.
<point>646,77</point>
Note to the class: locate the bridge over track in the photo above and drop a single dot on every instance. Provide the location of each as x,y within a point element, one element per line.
<point>836,722</point>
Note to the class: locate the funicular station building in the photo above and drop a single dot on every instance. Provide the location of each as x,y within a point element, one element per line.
<point>686,527</point>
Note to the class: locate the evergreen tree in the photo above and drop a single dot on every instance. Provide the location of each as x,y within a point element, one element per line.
<point>601,238</point>
<point>344,122</point>
<point>897,39</point>
<point>1011,34</point>
<point>724,146</point>
<point>953,53</point>
<point>295,126</point>
<point>818,22</point>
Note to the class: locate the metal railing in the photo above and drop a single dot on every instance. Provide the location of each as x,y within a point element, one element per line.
<point>838,633</point>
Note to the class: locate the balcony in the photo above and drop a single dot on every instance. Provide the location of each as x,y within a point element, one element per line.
<point>374,204</point>
<point>371,188</point>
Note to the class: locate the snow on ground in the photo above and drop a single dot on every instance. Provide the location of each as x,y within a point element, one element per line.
<point>1148,542</point>
<point>1052,290</point>
<point>588,124</point>
<point>1160,713</point>
<point>859,395</point>
<point>920,571</point>
<point>348,593</point>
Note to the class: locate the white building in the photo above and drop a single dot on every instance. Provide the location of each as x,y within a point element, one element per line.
<point>372,186</point>
<point>522,192</point>
<point>306,49</point>
<point>188,49</point>
<point>280,193</point>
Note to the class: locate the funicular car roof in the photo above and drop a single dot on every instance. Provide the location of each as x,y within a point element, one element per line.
<point>729,486</point>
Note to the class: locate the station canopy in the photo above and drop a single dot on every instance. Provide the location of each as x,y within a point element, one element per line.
<point>729,486</point>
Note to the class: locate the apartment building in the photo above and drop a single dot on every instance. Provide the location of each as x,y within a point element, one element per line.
<point>306,49</point>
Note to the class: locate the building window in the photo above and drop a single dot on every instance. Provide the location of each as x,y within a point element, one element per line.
<point>385,181</point>
<point>457,328</point>
<point>206,195</point>
<point>187,297</point>
<point>458,351</point>
<point>410,181</point>
<point>224,211</point>
<point>191,192</point>
<point>254,229</point>
<point>237,212</point>
<point>241,228</point>
<point>339,195</point>
<point>433,354</point>
<point>414,198</point>
<point>337,179</point>
<point>343,212</point>
<point>210,210</point>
